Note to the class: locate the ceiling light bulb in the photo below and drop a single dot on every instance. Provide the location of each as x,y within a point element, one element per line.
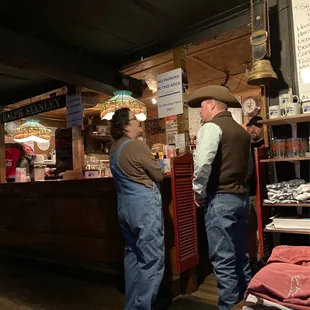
<point>141,117</point>
<point>108,116</point>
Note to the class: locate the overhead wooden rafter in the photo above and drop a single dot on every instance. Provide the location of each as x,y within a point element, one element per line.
<point>209,67</point>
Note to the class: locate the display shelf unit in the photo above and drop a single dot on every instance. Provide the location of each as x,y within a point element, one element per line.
<point>266,235</point>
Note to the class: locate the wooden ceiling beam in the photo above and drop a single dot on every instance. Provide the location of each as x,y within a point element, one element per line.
<point>221,44</point>
<point>131,70</point>
<point>206,30</point>
<point>65,66</point>
<point>209,67</point>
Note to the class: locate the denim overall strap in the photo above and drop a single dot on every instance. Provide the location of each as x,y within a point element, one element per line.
<point>118,152</point>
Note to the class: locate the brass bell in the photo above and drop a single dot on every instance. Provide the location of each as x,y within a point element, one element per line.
<point>262,73</point>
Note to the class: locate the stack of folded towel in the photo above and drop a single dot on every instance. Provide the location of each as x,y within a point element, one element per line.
<point>294,191</point>
<point>303,193</point>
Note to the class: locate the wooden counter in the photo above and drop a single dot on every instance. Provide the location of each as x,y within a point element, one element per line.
<point>72,220</point>
<point>75,223</point>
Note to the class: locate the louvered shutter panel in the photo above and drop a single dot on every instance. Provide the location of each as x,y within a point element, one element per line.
<point>185,224</point>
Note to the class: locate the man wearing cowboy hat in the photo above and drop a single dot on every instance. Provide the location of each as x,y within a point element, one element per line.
<point>221,164</point>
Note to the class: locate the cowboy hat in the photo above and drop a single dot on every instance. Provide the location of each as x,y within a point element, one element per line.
<point>216,92</point>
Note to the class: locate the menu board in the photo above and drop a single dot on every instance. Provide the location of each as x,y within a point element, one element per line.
<point>63,143</point>
<point>301,22</point>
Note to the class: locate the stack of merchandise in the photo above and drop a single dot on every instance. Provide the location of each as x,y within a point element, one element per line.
<point>294,191</point>
<point>290,222</point>
<point>271,288</point>
<point>302,193</point>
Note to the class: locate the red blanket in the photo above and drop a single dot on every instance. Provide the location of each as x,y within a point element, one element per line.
<point>286,278</point>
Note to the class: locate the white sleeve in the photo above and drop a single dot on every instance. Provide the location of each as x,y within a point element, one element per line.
<point>209,137</point>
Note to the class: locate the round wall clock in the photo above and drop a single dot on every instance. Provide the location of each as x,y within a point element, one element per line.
<point>43,146</point>
<point>10,128</point>
<point>250,106</point>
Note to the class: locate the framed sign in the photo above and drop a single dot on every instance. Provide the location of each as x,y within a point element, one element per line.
<point>38,107</point>
<point>170,93</point>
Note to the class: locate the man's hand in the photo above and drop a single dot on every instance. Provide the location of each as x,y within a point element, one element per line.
<point>198,201</point>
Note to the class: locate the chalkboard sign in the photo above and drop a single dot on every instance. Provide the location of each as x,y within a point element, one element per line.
<point>301,22</point>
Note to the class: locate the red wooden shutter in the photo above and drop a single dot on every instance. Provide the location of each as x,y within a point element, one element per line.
<point>185,224</point>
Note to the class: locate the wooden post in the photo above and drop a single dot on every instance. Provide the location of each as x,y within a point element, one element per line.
<point>2,155</point>
<point>77,148</point>
<point>264,114</point>
<point>179,56</point>
<point>77,144</point>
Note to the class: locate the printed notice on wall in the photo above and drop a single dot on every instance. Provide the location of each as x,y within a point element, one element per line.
<point>301,20</point>
<point>74,110</point>
<point>180,142</point>
<point>171,128</point>
<point>170,93</point>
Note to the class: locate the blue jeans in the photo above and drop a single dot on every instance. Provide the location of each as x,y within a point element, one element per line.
<point>226,220</point>
<point>141,222</point>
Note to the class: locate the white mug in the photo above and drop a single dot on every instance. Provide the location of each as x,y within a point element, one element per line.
<point>306,107</point>
<point>293,108</point>
<point>287,98</point>
<point>274,111</point>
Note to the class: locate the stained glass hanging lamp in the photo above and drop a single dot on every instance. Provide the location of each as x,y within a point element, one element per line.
<point>123,99</point>
<point>32,130</point>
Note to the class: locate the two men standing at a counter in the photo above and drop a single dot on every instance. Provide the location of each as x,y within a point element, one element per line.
<point>221,164</point>
<point>136,173</point>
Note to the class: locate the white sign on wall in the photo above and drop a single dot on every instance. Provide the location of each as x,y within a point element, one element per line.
<point>301,21</point>
<point>170,93</point>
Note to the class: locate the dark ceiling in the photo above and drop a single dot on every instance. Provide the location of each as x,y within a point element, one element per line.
<point>95,38</point>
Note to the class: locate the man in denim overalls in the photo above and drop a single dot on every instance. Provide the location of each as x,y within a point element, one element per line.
<point>136,173</point>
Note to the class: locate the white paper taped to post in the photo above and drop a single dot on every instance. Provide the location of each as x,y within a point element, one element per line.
<point>170,93</point>
<point>301,21</point>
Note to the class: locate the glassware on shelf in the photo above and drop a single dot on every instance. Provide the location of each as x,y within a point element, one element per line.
<point>303,147</point>
<point>296,147</point>
<point>278,148</point>
<point>292,147</point>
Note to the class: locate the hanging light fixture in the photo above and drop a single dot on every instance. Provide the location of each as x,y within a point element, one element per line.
<point>123,99</point>
<point>31,130</point>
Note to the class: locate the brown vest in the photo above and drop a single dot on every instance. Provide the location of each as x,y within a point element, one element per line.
<point>230,166</point>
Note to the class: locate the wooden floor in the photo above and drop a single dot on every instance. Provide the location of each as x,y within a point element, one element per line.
<point>208,290</point>
<point>28,288</point>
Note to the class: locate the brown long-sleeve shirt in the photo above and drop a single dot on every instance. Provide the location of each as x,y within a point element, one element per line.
<point>137,162</point>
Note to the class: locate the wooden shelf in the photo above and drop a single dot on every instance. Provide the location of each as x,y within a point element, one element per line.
<point>307,205</point>
<point>287,231</point>
<point>273,160</point>
<point>302,118</point>
<point>101,138</point>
